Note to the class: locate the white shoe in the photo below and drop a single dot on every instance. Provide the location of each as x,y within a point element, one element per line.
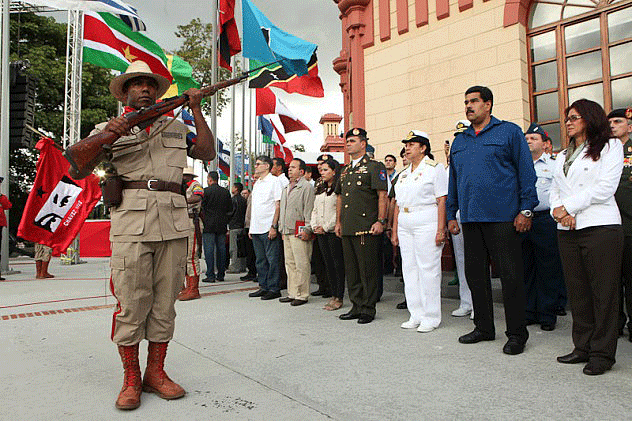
<point>425,328</point>
<point>409,325</point>
<point>461,312</point>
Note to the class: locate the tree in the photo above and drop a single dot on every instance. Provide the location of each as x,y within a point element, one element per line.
<point>42,41</point>
<point>197,50</point>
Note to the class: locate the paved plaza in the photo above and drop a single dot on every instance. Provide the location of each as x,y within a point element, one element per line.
<point>241,358</point>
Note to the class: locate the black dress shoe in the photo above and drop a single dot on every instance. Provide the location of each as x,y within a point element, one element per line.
<point>531,322</point>
<point>220,279</point>
<point>572,358</point>
<point>248,277</point>
<point>349,316</point>
<point>297,302</point>
<point>595,369</point>
<point>560,312</point>
<point>326,294</point>
<point>402,305</point>
<point>364,319</point>
<point>270,295</point>
<point>476,336</point>
<point>547,327</point>
<point>286,300</point>
<point>209,280</point>
<point>514,346</point>
<point>258,293</point>
<point>318,292</point>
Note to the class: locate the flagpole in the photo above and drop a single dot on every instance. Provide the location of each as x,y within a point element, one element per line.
<point>214,69</point>
<point>231,158</point>
<point>4,124</point>
<point>243,124</point>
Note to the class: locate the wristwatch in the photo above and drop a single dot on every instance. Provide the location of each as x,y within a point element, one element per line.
<point>382,221</point>
<point>527,213</point>
<point>276,227</point>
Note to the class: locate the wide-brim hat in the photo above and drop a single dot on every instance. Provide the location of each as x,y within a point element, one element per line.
<point>416,136</point>
<point>189,171</point>
<point>137,69</point>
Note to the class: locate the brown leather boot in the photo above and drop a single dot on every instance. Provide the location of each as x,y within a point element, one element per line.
<point>155,379</point>
<point>192,292</point>
<point>129,397</point>
<point>38,269</point>
<point>44,273</point>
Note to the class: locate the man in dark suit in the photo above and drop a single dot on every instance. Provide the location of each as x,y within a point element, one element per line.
<point>216,210</point>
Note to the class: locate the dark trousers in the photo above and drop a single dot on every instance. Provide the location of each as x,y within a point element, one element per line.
<point>499,242</point>
<point>543,276</point>
<point>214,254</point>
<point>331,251</point>
<point>267,252</point>
<point>387,255</point>
<point>625,296</point>
<point>319,269</point>
<point>591,258</point>
<point>251,259</point>
<point>363,271</point>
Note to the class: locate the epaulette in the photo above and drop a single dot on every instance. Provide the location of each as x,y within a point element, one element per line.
<point>431,162</point>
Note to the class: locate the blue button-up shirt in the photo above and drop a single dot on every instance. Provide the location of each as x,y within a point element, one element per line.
<point>492,177</point>
<point>544,168</point>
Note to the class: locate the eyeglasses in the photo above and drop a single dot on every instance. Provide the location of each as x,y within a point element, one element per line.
<point>573,118</point>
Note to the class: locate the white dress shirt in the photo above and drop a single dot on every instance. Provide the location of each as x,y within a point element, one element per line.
<point>587,192</point>
<point>266,192</point>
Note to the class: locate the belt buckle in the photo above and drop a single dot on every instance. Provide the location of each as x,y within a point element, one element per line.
<point>406,210</point>
<point>149,187</point>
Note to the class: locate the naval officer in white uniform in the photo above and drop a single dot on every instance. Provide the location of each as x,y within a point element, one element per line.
<point>419,227</point>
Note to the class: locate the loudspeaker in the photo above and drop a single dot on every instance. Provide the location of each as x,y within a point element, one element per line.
<point>22,106</point>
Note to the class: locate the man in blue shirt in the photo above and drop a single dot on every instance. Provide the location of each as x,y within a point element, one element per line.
<point>543,277</point>
<point>492,183</point>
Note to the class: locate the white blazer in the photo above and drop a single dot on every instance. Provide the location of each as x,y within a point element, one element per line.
<point>587,192</point>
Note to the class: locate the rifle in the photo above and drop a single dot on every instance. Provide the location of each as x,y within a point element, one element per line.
<point>86,154</point>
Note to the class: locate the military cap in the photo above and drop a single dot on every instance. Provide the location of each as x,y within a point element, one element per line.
<point>324,157</point>
<point>621,113</point>
<point>416,136</point>
<point>357,132</point>
<point>534,128</point>
<point>461,126</point>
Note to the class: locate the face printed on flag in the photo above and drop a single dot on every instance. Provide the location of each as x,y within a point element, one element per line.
<point>58,204</point>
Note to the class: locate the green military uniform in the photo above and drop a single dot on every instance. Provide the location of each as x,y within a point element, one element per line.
<point>623,197</point>
<point>149,233</point>
<point>358,189</point>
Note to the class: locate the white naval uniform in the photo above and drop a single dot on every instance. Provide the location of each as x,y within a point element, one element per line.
<point>459,255</point>
<point>416,193</point>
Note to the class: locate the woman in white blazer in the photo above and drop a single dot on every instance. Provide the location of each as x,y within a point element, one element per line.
<point>323,222</point>
<point>590,234</point>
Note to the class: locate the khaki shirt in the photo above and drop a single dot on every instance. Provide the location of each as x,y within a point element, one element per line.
<point>358,188</point>
<point>296,205</point>
<point>624,191</point>
<point>146,215</point>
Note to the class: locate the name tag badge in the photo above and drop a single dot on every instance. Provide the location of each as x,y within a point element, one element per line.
<point>172,135</point>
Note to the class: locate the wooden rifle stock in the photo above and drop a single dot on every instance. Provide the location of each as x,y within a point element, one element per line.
<point>86,154</point>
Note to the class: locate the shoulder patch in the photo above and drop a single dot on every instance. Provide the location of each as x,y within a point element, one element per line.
<point>382,175</point>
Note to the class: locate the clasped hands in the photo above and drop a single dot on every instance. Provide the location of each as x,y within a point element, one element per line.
<point>562,217</point>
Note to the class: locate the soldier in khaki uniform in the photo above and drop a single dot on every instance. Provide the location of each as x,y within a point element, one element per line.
<point>361,216</point>
<point>194,194</point>
<point>149,229</point>
<point>621,125</point>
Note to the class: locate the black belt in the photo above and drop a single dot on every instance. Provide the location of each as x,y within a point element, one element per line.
<point>154,185</point>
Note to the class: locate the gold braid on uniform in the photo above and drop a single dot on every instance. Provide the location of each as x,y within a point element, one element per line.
<point>127,145</point>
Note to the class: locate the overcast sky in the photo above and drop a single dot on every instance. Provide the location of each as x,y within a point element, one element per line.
<point>312,20</point>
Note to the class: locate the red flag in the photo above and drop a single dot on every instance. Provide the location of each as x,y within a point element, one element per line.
<point>280,151</point>
<point>57,205</point>
<point>229,43</point>
<point>268,103</point>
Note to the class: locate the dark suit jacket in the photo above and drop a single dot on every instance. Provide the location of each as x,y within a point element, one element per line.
<point>216,209</point>
<point>239,212</point>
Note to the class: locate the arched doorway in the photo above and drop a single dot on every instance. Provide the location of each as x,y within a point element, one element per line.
<point>578,49</point>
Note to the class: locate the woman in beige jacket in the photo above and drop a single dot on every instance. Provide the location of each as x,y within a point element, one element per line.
<point>323,223</point>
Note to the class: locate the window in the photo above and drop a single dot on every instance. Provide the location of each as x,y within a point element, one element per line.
<point>578,49</point>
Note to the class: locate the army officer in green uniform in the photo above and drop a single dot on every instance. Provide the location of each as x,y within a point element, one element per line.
<point>621,125</point>
<point>360,220</point>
